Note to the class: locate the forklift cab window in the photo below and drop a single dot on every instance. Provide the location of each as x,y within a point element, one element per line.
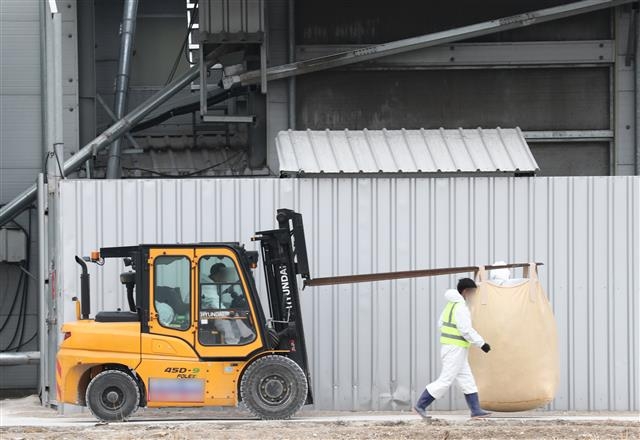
<point>172,291</point>
<point>225,318</point>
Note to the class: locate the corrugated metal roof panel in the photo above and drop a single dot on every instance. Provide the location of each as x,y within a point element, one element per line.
<point>500,150</point>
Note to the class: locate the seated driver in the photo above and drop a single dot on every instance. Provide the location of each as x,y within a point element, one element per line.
<point>219,296</point>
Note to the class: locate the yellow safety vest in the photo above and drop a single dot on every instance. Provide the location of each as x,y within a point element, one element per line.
<point>450,335</point>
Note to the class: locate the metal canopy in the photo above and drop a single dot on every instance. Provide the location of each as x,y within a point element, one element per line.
<point>483,151</point>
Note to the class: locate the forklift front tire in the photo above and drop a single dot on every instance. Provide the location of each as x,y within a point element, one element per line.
<point>112,396</point>
<point>274,387</point>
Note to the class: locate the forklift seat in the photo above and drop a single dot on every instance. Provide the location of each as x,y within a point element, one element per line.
<point>172,297</point>
<point>117,316</point>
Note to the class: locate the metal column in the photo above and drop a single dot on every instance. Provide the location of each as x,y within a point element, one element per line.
<point>52,77</point>
<point>51,49</point>
<point>624,121</point>
<point>43,307</point>
<point>636,62</point>
<point>127,34</point>
<point>54,174</point>
<point>292,58</point>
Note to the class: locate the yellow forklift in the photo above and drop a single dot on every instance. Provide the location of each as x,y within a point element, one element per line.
<point>195,333</point>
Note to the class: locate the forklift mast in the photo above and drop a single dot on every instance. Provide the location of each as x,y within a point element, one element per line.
<point>284,255</point>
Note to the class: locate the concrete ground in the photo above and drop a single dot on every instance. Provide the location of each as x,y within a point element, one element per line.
<point>25,418</point>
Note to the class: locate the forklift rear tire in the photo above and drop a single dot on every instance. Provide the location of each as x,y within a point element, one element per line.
<point>273,387</point>
<point>112,396</point>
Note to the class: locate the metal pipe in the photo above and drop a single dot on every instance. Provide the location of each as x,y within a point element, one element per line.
<point>292,58</point>
<point>127,34</point>
<point>20,358</point>
<point>57,148</point>
<point>429,40</point>
<point>24,199</point>
<point>42,288</point>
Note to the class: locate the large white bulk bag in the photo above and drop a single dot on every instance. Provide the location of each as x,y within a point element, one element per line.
<point>521,372</point>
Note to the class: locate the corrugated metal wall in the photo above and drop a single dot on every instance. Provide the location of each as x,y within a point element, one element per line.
<point>21,154</point>
<point>374,346</point>
<point>20,97</point>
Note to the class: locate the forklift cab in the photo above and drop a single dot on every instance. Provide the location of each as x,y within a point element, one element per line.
<point>202,293</point>
<point>195,333</point>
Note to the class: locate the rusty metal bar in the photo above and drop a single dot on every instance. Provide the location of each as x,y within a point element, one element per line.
<point>385,276</point>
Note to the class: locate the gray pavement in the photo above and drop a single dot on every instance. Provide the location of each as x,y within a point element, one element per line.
<point>28,412</point>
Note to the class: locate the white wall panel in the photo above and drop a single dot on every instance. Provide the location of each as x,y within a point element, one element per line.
<point>375,345</point>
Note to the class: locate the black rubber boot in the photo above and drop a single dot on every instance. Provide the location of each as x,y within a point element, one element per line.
<point>423,402</point>
<point>474,405</point>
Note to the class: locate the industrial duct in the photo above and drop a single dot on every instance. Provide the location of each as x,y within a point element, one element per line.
<point>127,35</point>
<point>20,358</point>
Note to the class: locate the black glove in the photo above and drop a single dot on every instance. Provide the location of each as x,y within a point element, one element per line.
<point>486,348</point>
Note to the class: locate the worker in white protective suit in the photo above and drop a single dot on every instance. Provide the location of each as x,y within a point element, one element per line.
<point>456,336</point>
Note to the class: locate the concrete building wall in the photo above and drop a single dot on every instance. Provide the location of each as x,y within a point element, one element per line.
<point>375,345</point>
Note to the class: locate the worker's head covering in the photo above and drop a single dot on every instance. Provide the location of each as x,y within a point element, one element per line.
<point>217,272</point>
<point>466,283</point>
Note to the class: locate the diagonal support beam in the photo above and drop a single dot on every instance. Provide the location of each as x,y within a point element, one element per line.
<point>429,40</point>
<point>114,119</point>
<point>116,131</point>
